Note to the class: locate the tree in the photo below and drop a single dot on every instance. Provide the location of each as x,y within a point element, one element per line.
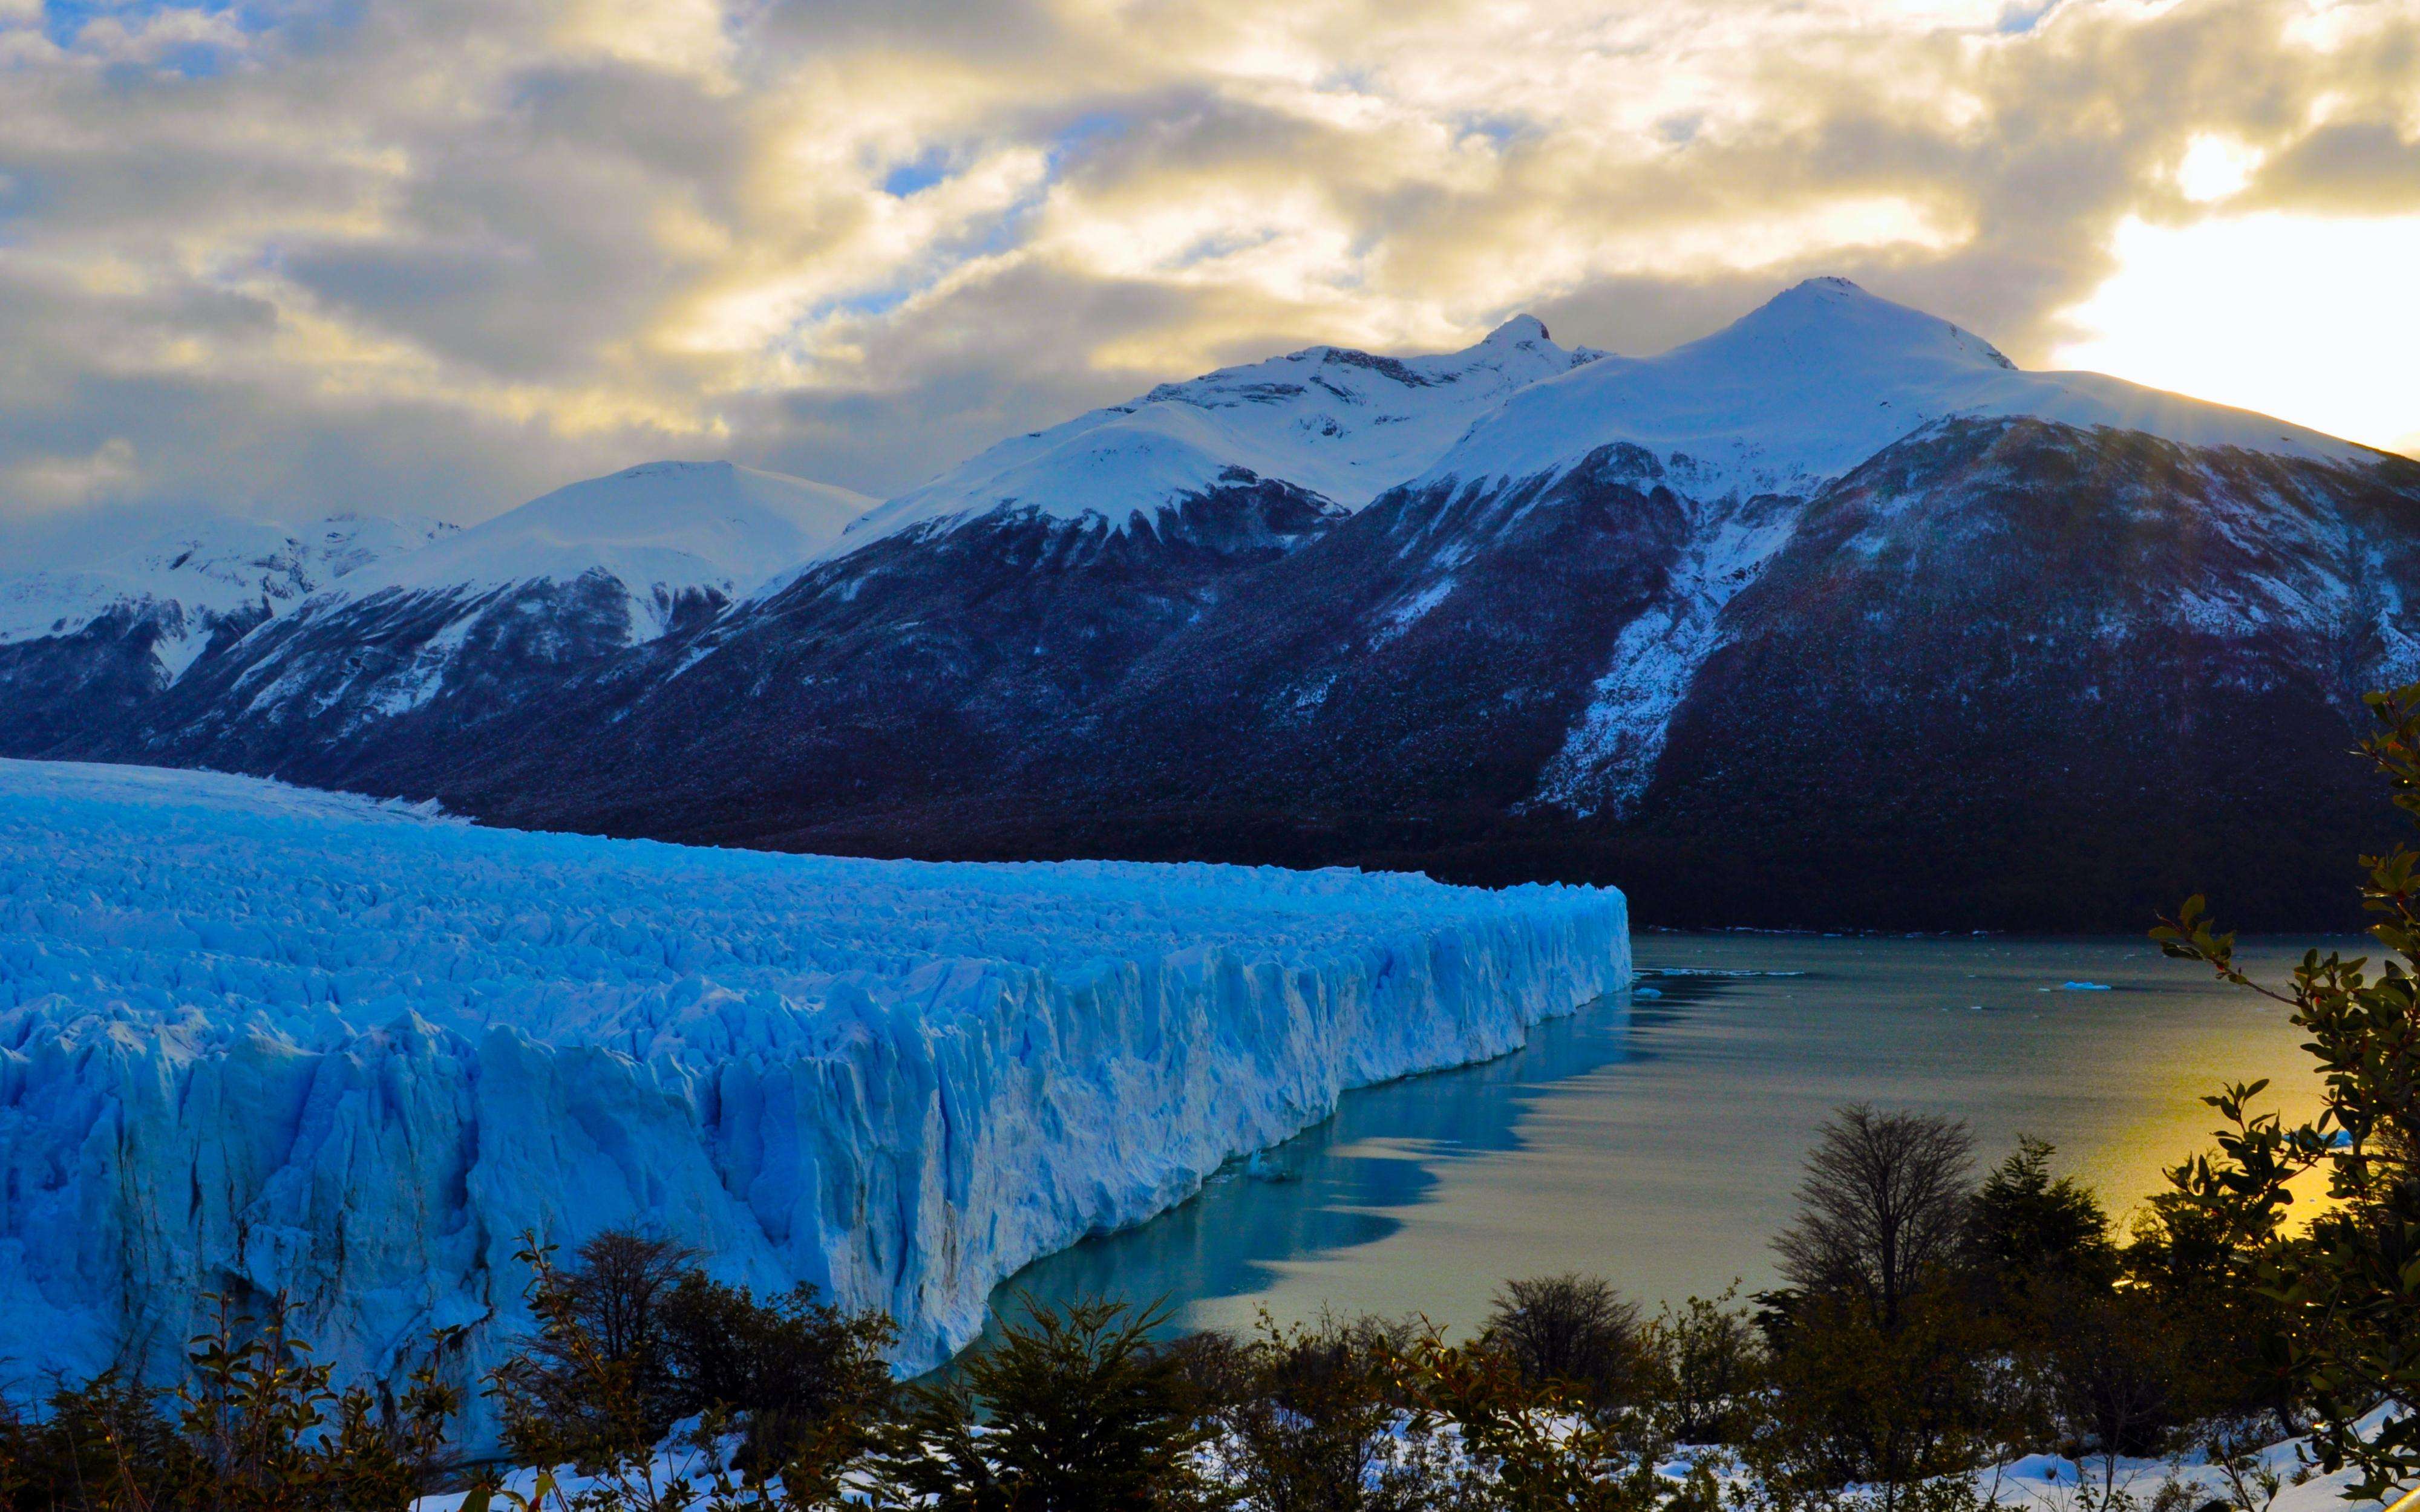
<point>1074,1409</point>
<point>2025,1229</point>
<point>595,1382</point>
<point>807,1379</point>
<point>1573,1328</point>
<point>1881,1208</point>
<point>2348,1281</point>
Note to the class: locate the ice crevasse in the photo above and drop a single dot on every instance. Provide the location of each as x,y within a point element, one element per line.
<point>259,1041</point>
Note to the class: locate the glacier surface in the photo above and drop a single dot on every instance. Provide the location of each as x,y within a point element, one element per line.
<point>261,1041</point>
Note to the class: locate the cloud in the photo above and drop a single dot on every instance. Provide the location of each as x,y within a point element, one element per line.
<point>293,257</point>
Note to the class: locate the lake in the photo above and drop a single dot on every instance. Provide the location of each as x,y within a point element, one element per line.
<point>1655,1140</point>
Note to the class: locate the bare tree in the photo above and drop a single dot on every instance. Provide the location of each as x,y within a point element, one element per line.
<point>1570,1328</point>
<point>1881,1209</point>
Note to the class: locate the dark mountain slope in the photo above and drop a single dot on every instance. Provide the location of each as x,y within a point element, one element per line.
<point>881,681</point>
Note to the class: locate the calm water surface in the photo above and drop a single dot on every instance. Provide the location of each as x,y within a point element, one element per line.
<point>1655,1140</point>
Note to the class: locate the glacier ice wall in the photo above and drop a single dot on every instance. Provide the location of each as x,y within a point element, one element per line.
<point>261,1041</point>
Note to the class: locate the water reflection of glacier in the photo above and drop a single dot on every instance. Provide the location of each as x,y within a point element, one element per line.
<point>1346,1182</point>
<point>1655,1137</point>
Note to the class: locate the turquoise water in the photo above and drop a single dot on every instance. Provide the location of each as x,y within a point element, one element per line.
<point>1656,1140</point>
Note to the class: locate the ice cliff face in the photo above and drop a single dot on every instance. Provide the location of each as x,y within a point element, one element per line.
<point>259,1041</point>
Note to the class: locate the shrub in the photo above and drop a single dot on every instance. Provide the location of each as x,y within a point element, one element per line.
<point>807,1379</point>
<point>2025,1228</point>
<point>1704,1367</point>
<point>1079,1410</point>
<point>1527,1450</point>
<point>256,1428</point>
<point>1572,1329</point>
<point>635,1338</point>
<point>2348,1338</point>
<point>1314,1423</point>
<point>1893,1407</point>
<point>595,1383</point>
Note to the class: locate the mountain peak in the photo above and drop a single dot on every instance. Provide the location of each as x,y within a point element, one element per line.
<point>1809,384</point>
<point>1830,321</point>
<point>1519,329</point>
<point>1831,286</point>
<point>668,523</point>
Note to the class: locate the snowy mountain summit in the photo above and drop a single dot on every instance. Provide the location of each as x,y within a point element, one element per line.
<point>1821,376</point>
<point>1340,424</point>
<point>666,534</point>
<point>208,581</point>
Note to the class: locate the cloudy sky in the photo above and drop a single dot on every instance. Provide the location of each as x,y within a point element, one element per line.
<point>437,255</point>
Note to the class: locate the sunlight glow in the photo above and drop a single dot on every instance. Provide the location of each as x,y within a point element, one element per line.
<point>2214,167</point>
<point>2309,318</point>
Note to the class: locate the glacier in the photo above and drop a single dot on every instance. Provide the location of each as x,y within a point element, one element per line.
<point>262,1040</point>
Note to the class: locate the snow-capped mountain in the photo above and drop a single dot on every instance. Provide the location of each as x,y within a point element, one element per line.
<point>1833,617</point>
<point>482,622</point>
<point>207,578</point>
<point>1340,424</point>
<point>1809,385</point>
<point>671,535</point>
<point>88,651</point>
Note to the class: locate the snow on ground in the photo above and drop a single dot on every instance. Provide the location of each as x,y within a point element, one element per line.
<point>260,1040</point>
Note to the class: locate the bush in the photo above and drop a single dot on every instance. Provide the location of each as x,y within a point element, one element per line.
<point>1570,1328</point>
<point>2025,1230</point>
<point>2348,1337</point>
<point>1314,1423</point>
<point>1854,1401</point>
<point>595,1383</point>
<point>1705,1368</point>
<point>256,1428</point>
<point>633,1337</point>
<point>1079,1411</point>
<point>807,1379</point>
<point>1525,1448</point>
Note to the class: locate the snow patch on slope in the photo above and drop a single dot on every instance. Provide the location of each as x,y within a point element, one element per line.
<point>260,1040</point>
<point>1609,756</point>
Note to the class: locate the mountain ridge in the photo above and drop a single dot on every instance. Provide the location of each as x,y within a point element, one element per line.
<point>1834,618</point>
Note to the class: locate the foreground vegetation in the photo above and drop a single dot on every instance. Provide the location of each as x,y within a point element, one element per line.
<point>1935,1321</point>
